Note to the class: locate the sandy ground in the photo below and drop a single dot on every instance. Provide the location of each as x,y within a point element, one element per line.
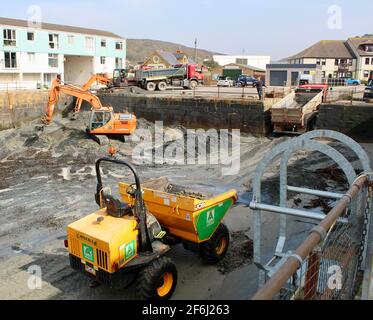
<point>47,182</point>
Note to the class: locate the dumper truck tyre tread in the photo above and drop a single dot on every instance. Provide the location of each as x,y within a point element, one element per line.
<point>157,281</point>
<point>215,249</point>
<point>162,86</point>
<point>151,86</point>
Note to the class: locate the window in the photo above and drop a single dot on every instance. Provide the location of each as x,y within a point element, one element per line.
<point>70,40</point>
<point>367,60</point>
<point>31,57</point>
<point>53,41</point>
<point>53,60</point>
<point>369,48</point>
<point>30,36</point>
<point>103,60</point>
<point>103,43</point>
<point>10,60</point>
<point>244,62</point>
<point>10,38</point>
<point>366,74</point>
<point>350,62</point>
<point>336,62</point>
<point>318,61</point>
<point>324,74</point>
<point>119,45</point>
<point>323,62</point>
<point>89,43</point>
<point>349,75</point>
<point>118,63</point>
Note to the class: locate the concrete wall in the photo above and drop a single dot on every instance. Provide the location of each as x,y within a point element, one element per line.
<point>356,121</point>
<point>248,116</point>
<point>17,107</point>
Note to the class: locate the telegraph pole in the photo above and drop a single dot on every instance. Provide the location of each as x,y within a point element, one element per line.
<point>195,51</point>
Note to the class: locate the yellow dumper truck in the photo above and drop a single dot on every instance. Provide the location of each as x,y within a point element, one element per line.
<point>125,241</point>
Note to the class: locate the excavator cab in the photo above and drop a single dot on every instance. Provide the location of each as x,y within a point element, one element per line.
<point>99,118</point>
<point>120,78</point>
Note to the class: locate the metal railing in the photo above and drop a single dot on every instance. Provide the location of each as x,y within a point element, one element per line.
<point>19,85</point>
<point>335,259</point>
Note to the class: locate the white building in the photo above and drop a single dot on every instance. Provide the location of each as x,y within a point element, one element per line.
<point>32,57</point>
<point>253,61</point>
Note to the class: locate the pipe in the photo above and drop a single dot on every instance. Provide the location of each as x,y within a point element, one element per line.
<point>319,193</point>
<point>274,285</point>
<point>291,212</point>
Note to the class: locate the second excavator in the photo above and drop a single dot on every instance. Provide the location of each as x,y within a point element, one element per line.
<point>103,120</point>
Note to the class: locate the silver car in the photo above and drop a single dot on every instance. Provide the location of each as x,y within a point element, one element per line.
<point>225,82</point>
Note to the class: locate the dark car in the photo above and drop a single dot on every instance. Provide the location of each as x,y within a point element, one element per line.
<point>368,93</point>
<point>246,81</point>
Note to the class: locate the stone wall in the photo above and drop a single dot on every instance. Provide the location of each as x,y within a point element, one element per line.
<point>17,107</point>
<point>248,116</point>
<point>354,120</point>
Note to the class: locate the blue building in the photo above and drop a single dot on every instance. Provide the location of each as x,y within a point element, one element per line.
<point>31,56</point>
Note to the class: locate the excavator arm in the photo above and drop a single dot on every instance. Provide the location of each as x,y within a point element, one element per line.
<point>57,89</point>
<point>95,78</point>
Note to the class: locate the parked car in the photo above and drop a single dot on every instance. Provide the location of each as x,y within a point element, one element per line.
<point>246,81</point>
<point>353,82</point>
<point>225,82</point>
<point>368,93</point>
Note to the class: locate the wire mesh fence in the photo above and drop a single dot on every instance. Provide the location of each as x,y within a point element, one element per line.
<point>333,269</point>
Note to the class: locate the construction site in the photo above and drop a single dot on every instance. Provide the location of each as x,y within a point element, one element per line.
<point>77,205</point>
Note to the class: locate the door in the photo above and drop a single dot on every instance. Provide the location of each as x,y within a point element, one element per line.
<point>278,78</point>
<point>294,78</point>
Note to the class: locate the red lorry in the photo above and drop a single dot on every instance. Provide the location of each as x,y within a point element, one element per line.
<point>185,76</point>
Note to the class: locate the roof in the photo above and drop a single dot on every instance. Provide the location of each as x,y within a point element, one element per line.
<point>57,27</point>
<point>357,42</point>
<point>244,66</point>
<point>325,49</point>
<point>168,57</point>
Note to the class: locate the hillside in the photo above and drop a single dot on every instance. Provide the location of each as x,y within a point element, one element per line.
<point>139,49</point>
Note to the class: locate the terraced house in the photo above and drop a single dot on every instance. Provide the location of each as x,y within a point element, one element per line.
<point>32,57</point>
<point>339,59</point>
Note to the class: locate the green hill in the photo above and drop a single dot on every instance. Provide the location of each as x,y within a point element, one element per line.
<point>139,49</point>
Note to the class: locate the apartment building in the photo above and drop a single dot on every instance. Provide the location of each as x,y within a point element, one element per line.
<point>334,56</point>
<point>32,57</point>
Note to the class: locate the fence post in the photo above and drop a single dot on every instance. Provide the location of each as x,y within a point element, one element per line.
<point>312,276</point>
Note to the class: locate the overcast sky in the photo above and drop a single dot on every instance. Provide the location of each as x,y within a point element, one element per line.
<point>266,27</point>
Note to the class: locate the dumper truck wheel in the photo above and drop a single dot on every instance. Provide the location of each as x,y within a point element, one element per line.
<point>162,86</point>
<point>157,281</point>
<point>151,86</point>
<point>214,250</point>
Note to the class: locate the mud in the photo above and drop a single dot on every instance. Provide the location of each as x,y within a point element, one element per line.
<point>240,253</point>
<point>47,180</point>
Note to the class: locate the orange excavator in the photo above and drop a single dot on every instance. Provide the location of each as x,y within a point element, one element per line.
<point>100,78</point>
<point>103,120</point>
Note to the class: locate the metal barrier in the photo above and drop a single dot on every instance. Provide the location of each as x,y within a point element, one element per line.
<point>338,251</point>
